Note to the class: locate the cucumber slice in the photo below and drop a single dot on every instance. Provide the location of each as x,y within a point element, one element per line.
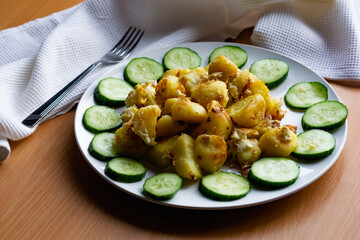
<point>274,172</point>
<point>236,54</point>
<point>98,119</point>
<point>101,146</point>
<point>181,57</point>
<point>271,71</point>
<point>304,94</point>
<point>143,69</point>
<point>162,186</point>
<point>112,92</point>
<point>124,169</point>
<point>314,144</point>
<point>326,115</point>
<point>224,186</point>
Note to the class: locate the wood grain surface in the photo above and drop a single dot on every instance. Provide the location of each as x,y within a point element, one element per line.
<point>48,191</point>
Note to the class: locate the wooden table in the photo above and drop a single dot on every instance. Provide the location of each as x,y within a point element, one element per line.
<point>48,191</point>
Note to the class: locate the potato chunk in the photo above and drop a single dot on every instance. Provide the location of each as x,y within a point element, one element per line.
<point>239,83</point>
<point>168,105</point>
<point>278,142</point>
<point>160,155</point>
<point>169,87</point>
<point>248,111</point>
<point>210,152</point>
<point>144,123</point>
<point>192,79</point>
<point>266,124</point>
<point>187,111</point>
<point>244,147</point>
<point>207,91</point>
<point>128,113</point>
<point>167,126</point>
<point>218,122</point>
<point>175,73</point>
<point>258,86</point>
<point>276,112</point>
<point>143,95</point>
<point>128,144</point>
<point>254,85</point>
<point>224,65</point>
<point>184,158</point>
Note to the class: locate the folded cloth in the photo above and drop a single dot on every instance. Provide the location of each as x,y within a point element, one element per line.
<point>323,35</point>
<point>38,58</point>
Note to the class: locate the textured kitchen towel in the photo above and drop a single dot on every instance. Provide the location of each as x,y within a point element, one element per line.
<point>323,35</point>
<point>40,57</point>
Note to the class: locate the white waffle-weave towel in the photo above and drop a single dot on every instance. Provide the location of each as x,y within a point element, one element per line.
<point>323,35</point>
<point>40,57</point>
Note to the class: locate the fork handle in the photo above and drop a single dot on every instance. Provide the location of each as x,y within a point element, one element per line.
<point>44,109</point>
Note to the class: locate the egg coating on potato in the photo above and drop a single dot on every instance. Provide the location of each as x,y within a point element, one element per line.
<point>278,142</point>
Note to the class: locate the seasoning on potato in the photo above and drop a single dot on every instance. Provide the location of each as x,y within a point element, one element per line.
<point>278,142</point>
<point>218,122</point>
<point>210,152</point>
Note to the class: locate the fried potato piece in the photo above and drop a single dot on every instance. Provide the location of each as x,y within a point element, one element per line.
<point>189,112</point>
<point>128,113</point>
<point>266,124</point>
<point>207,91</point>
<point>273,105</point>
<point>278,142</point>
<point>169,87</point>
<point>249,111</point>
<point>144,123</point>
<point>244,147</point>
<point>168,105</point>
<point>258,86</point>
<point>127,143</point>
<point>143,95</point>
<point>276,112</point>
<point>224,65</point>
<point>218,122</point>
<point>245,84</point>
<point>192,79</point>
<point>210,152</point>
<point>239,83</point>
<point>167,126</point>
<point>160,155</point>
<point>175,72</point>
<point>184,158</point>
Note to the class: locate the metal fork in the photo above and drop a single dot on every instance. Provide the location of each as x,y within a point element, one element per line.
<point>120,52</point>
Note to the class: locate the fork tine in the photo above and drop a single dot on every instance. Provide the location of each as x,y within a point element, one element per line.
<point>124,39</point>
<point>134,43</point>
<point>123,49</point>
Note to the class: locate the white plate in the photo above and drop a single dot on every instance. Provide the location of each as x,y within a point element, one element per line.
<point>189,196</point>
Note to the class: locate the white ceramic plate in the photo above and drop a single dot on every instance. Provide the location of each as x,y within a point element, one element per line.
<point>189,196</point>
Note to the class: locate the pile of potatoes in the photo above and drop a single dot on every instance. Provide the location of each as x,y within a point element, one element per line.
<point>192,121</point>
